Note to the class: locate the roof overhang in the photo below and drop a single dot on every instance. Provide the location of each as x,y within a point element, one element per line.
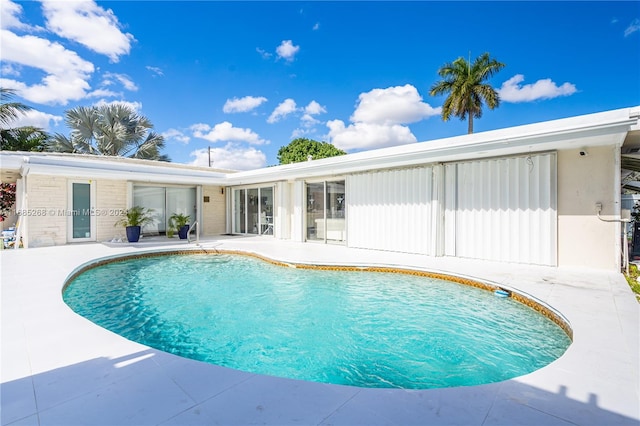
<point>92,167</point>
<point>615,128</point>
<point>607,128</point>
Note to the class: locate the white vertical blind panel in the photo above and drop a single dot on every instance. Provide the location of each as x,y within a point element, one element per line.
<point>450,208</point>
<point>506,209</point>
<point>391,210</point>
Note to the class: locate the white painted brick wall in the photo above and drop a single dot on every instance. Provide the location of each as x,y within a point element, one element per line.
<point>213,212</point>
<point>111,200</point>
<point>46,194</point>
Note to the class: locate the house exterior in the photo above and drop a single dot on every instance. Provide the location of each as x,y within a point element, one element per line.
<point>525,194</point>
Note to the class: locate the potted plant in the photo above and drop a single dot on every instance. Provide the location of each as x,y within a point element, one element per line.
<point>180,222</point>
<point>134,219</point>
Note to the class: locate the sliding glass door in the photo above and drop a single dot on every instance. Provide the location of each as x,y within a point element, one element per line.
<point>325,218</point>
<point>165,201</point>
<point>253,211</point>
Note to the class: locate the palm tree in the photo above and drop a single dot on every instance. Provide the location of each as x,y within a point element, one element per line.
<point>465,83</point>
<point>114,129</point>
<point>9,111</point>
<point>25,138</point>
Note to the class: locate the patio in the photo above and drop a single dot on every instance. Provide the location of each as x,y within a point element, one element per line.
<point>60,369</point>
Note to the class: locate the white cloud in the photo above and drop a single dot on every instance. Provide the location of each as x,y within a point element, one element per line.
<point>264,53</point>
<point>379,118</point>
<point>243,104</point>
<point>67,74</point>
<point>393,105</point>
<point>632,28</point>
<point>135,106</point>
<point>512,91</point>
<point>174,134</point>
<point>36,118</point>
<point>287,50</point>
<point>10,16</point>
<point>313,108</point>
<point>285,108</point>
<point>155,70</point>
<point>123,79</point>
<point>9,70</point>
<point>316,26</point>
<point>368,135</point>
<point>225,132</point>
<point>230,157</point>
<point>88,24</point>
<point>102,93</point>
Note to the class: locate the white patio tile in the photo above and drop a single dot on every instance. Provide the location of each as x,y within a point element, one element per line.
<point>275,401</point>
<point>86,375</point>
<point>17,399</point>
<point>145,398</point>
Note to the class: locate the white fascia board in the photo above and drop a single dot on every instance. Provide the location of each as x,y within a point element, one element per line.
<point>608,128</point>
<point>11,161</point>
<point>113,170</point>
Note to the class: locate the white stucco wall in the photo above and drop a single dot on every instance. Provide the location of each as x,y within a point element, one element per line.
<point>583,239</point>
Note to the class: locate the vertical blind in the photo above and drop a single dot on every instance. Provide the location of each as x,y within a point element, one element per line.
<point>391,210</point>
<point>505,209</point>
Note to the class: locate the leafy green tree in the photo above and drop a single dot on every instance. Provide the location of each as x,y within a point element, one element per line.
<point>114,129</point>
<point>466,86</point>
<point>301,148</point>
<point>26,138</point>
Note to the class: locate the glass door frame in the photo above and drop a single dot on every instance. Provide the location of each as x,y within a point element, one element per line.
<point>166,214</point>
<point>71,213</point>
<point>264,224</point>
<point>325,215</point>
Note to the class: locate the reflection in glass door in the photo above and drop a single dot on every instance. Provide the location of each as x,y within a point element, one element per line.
<point>81,211</point>
<point>326,212</point>
<point>334,213</point>
<point>239,224</point>
<point>164,202</point>
<point>315,211</point>
<point>253,211</point>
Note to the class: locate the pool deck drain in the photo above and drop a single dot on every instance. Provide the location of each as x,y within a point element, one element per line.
<point>59,368</point>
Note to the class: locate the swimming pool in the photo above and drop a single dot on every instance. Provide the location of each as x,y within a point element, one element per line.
<point>354,328</point>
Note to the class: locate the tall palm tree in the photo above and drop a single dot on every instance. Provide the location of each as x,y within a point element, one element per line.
<point>465,83</point>
<point>114,129</point>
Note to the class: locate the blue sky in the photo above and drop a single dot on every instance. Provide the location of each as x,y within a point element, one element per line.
<point>245,78</point>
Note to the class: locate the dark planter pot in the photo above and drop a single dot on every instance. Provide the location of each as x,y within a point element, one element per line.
<point>183,231</point>
<point>133,233</point>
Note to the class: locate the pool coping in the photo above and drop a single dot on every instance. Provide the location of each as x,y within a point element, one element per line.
<point>486,285</point>
<point>58,368</point>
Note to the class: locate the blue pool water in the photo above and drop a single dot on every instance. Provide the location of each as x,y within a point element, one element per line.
<point>363,329</point>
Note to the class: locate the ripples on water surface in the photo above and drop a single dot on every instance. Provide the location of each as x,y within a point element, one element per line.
<point>355,328</point>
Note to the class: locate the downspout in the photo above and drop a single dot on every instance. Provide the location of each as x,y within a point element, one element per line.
<point>23,224</point>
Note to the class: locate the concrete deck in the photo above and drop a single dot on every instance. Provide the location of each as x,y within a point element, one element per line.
<point>58,368</point>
